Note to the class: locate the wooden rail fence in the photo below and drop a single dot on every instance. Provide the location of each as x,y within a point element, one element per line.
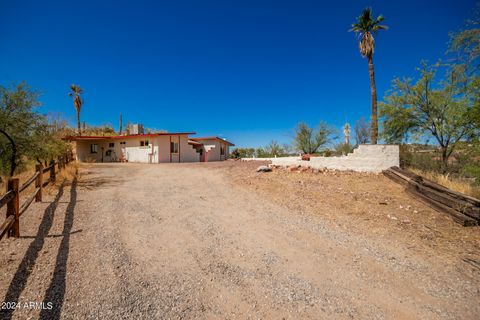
<point>462,208</point>
<point>11,225</point>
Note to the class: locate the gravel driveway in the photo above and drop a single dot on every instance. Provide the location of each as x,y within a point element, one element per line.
<point>182,241</point>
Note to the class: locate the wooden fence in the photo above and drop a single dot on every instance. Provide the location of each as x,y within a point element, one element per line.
<point>463,209</point>
<point>11,225</point>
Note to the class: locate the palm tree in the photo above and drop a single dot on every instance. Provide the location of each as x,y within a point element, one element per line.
<point>365,27</point>
<point>76,91</point>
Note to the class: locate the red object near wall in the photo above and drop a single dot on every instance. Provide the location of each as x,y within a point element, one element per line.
<point>306,157</point>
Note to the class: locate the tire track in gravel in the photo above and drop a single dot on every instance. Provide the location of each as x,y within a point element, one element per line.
<point>179,241</point>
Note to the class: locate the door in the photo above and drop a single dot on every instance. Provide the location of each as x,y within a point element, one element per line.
<point>122,152</point>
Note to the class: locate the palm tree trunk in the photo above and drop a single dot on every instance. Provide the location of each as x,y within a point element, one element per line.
<point>373,90</point>
<point>78,123</point>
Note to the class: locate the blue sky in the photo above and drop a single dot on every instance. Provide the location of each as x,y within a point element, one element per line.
<point>244,70</point>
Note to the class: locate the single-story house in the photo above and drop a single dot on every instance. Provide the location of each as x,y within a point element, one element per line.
<point>150,148</point>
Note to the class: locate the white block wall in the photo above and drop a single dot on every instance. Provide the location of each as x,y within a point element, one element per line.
<point>140,154</point>
<point>366,158</point>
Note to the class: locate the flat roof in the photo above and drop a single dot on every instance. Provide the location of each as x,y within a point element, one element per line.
<point>190,141</point>
<point>212,138</point>
<point>146,135</point>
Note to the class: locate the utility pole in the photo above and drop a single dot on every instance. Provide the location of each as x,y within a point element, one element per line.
<point>120,129</point>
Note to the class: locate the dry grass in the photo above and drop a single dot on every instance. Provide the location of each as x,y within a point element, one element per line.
<point>450,182</point>
<point>64,176</point>
<point>24,176</point>
<point>362,203</point>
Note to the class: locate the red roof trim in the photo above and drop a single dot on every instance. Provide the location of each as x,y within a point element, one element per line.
<point>128,137</point>
<point>212,138</point>
<point>190,141</point>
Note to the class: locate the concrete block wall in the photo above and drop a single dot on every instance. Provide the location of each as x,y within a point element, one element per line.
<point>365,158</point>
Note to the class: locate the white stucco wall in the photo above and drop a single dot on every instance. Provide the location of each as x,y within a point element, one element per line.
<point>133,151</point>
<point>186,152</point>
<point>158,150</point>
<point>365,158</point>
<point>84,154</point>
<point>214,153</point>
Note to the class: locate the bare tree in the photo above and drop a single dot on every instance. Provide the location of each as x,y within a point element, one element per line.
<point>361,131</point>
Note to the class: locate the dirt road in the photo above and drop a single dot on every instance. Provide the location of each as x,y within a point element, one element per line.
<point>184,241</point>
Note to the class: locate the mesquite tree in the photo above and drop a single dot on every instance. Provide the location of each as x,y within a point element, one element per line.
<point>429,108</point>
<point>310,140</point>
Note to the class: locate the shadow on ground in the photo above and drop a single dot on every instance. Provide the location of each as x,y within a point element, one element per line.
<point>97,183</point>
<point>56,290</point>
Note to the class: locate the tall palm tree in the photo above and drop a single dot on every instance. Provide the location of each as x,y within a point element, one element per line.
<point>365,27</point>
<point>75,93</point>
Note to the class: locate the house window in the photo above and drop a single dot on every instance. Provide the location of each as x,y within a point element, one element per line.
<point>173,147</point>
<point>93,148</point>
<point>222,150</point>
<point>111,145</point>
<point>144,143</point>
<point>123,142</point>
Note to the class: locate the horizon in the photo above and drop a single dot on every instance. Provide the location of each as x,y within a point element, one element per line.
<point>246,72</point>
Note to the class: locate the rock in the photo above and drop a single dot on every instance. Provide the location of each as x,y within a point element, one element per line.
<point>263,169</point>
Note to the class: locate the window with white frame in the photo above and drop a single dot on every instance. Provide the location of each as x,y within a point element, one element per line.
<point>144,143</point>
<point>93,148</point>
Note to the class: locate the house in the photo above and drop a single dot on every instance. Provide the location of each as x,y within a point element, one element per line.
<point>150,148</point>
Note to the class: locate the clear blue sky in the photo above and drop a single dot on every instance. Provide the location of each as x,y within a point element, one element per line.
<point>244,70</point>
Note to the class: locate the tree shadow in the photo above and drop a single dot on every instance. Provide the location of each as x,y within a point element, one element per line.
<point>19,281</point>
<point>99,182</point>
<point>56,291</point>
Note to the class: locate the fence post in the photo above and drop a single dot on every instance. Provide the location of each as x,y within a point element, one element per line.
<point>13,207</point>
<point>52,171</point>
<point>39,182</point>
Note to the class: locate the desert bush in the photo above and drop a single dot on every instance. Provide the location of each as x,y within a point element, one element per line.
<point>239,153</point>
<point>342,149</point>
